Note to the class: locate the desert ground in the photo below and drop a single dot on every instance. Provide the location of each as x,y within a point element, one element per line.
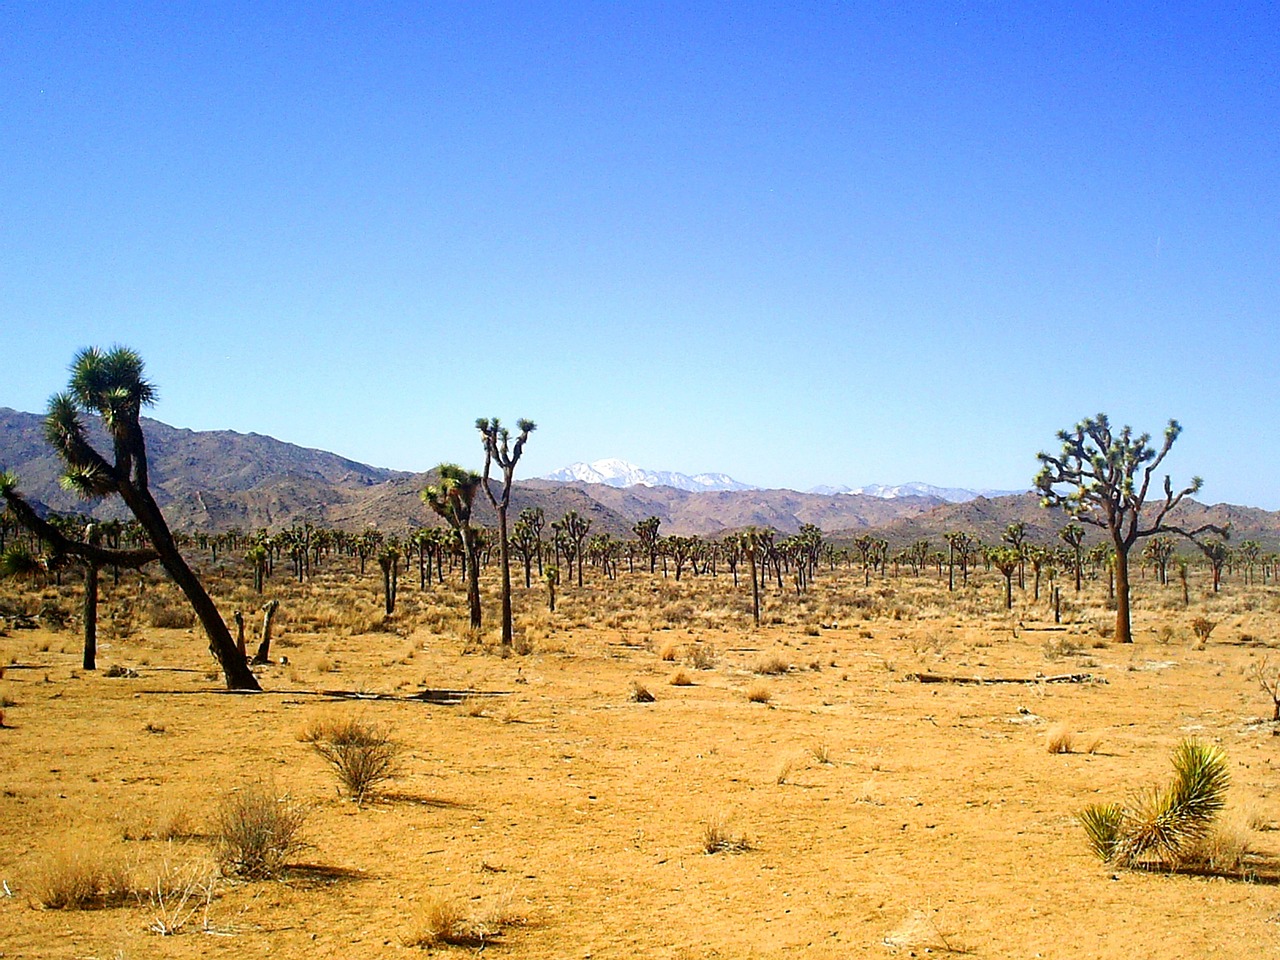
<point>555,814</point>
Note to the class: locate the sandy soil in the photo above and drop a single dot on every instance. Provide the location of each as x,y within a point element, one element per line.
<point>883,816</point>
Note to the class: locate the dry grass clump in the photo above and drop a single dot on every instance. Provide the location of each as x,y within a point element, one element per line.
<point>1061,739</point>
<point>81,877</point>
<point>1224,849</point>
<point>256,831</point>
<point>668,651</point>
<point>702,656</point>
<point>759,693</point>
<point>681,678</point>
<point>168,614</point>
<point>362,754</point>
<point>163,822</point>
<point>447,921</point>
<point>772,667</point>
<point>718,836</point>
<point>176,893</point>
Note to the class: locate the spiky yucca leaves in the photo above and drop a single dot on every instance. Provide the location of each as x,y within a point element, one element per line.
<point>1165,822</point>
<point>1102,823</point>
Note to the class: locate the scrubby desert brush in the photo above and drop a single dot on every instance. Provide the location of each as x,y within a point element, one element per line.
<point>772,667</point>
<point>362,754</point>
<point>759,692</point>
<point>681,678</point>
<point>1061,739</point>
<point>83,877</point>
<point>719,837</point>
<point>702,656</point>
<point>256,830</point>
<point>1163,825</point>
<point>447,921</point>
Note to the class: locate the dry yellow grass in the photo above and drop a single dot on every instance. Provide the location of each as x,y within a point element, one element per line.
<point>589,812</point>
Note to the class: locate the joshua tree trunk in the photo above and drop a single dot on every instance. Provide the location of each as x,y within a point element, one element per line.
<point>90,616</point>
<point>1120,571</point>
<point>264,648</point>
<point>235,668</point>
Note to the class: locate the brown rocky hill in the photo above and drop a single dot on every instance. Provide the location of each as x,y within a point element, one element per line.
<point>714,513</point>
<point>987,520</point>
<point>215,480</point>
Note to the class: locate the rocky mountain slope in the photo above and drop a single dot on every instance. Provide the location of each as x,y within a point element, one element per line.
<point>214,480</point>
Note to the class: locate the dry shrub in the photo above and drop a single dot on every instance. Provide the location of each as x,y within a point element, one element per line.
<point>170,615</point>
<point>772,667</point>
<point>176,892</point>
<point>165,822</point>
<point>1061,739</point>
<point>668,651</point>
<point>759,693</point>
<point>80,877</point>
<point>702,656</point>
<point>1202,627</point>
<point>681,678</point>
<point>256,831</point>
<point>362,754</point>
<point>718,836</point>
<point>1223,849</point>
<point>446,920</point>
<point>1056,648</point>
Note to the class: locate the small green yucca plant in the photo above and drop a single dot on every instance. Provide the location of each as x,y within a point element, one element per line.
<point>1165,823</point>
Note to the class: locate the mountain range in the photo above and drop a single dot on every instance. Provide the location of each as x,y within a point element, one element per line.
<point>615,472</point>
<point>216,480</point>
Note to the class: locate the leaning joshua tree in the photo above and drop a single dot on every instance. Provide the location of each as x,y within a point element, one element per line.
<point>452,498</point>
<point>1106,477</point>
<point>110,385</point>
<point>496,439</point>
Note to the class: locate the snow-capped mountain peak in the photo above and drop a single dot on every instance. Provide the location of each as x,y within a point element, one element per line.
<point>914,489</point>
<point>622,473</point>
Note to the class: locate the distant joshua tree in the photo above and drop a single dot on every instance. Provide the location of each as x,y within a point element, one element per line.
<point>1073,535</point>
<point>646,532</point>
<point>496,439</point>
<point>1106,477</point>
<point>527,540</point>
<point>452,498</point>
<point>111,386</point>
<point>572,529</point>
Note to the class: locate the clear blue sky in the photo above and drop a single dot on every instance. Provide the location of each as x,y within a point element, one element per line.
<point>798,243</point>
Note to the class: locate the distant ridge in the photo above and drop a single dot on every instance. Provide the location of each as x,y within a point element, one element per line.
<point>622,473</point>
<point>917,489</point>
<point>216,480</point>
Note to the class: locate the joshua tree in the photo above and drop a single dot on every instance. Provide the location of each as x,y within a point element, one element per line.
<point>452,498</point>
<point>1218,554</point>
<point>1158,550</point>
<point>1015,534</point>
<point>1007,561</point>
<point>958,542</point>
<point>1107,477</point>
<point>496,439</point>
<point>572,528</point>
<point>646,532</point>
<point>111,386</point>
<point>552,576</point>
<point>389,561</point>
<point>527,540</point>
<point>751,543</point>
<point>1250,552</point>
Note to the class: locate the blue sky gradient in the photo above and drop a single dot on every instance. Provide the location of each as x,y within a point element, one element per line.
<point>798,243</point>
